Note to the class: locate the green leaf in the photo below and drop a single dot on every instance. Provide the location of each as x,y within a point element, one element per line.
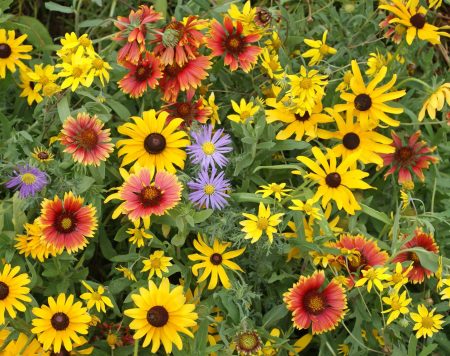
<point>288,145</point>
<point>412,346</point>
<point>119,109</point>
<point>428,259</point>
<point>84,184</point>
<point>275,314</point>
<point>179,239</point>
<point>428,349</point>
<point>118,285</point>
<point>52,6</point>
<point>37,33</point>
<point>63,109</point>
<point>130,257</point>
<point>106,246</point>
<point>161,6</point>
<point>376,214</point>
<point>278,167</point>
<point>4,4</point>
<point>200,216</point>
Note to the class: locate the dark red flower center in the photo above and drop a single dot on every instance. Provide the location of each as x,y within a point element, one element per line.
<point>363,102</point>
<point>155,143</point>
<point>62,352</point>
<point>333,180</point>
<point>88,139</point>
<point>351,141</point>
<point>356,262</point>
<point>157,316</point>
<point>216,259</point>
<point>172,70</point>
<point>143,72</point>
<point>418,21</point>
<point>248,342</point>
<point>150,196</point>
<point>5,50</point>
<point>42,155</point>
<point>403,154</point>
<point>65,223</point>
<point>184,109</point>
<point>234,44</point>
<point>302,118</point>
<point>4,290</point>
<point>314,302</point>
<point>412,256</point>
<point>60,321</point>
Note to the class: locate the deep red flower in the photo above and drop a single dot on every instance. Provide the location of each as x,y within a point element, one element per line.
<point>420,239</point>
<point>411,156</point>
<point>314,303</point>
<point>231,42</point>
<point>178,42</point>
<point>141,75</point>
<point>133,30</point>
<point>189,110</point>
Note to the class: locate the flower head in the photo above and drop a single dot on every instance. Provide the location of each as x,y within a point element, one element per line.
<point>373,276</point>
<point>319,49</point>
<point>12,51</point>
<point>426,322</point>
<point>28,181</point>
<point>138,236</point>
<point>96,297</point>
<point>189,110</point>
<point>307,207</point>
<point>278,190</point>
<point>243,110</point>
<point>210,189</point>
<point>399,277</point>
<point>77,70</point>
<point>157,264</point>
<point>264,222</point>
<point>127,273</point>
<point>398,305</point>
<point>43,155</point>
<point>435,102</point>
<point>248,343</point>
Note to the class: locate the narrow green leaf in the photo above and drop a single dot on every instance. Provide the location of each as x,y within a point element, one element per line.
<point>63,109</point>
<point>52,6</point>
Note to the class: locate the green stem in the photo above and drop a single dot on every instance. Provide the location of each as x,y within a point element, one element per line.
<point>414,80</point>
<point>136,348</point>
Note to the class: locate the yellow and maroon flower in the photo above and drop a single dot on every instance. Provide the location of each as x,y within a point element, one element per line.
<point>236,47</point>
<point>189,110</point>
<point>66,223</point>
<point>141,75</point>
<point>412,156</point>
<point>421,239</point>
<point>178,42</point>
<point>312,302</point>
<point>133,31</point>
<point>86,140</point>
<point>187,77</point>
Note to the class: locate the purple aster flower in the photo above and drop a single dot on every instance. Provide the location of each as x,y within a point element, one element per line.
<point>209,190</point>
<point>28,180</point>
<point>209,148</point>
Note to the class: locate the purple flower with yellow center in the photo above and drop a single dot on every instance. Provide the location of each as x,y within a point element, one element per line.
<point>28,181</point>
<point>209,148</point>
<point>209,190</point>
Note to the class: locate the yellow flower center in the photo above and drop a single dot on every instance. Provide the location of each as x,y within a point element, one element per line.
<point>208,148</point>
<point>96,296</point>
<point>66,223</point>
<point>400,29</point>
<point>371,275</point>
<point>427,322</point>
<point>209,189</point>
<point>85,42</point>
<point>262,224</point>
<point>28,178</point>
<point>97,63</point>
<point>77,72</point>
<point>324,49</point>
<point>316,303</point>
<point>234,42</point>
<point>306,83</point>
<point>397,278</point>
<point>308,208</point>
<point>396,305</point>
<point>156,263</point>
<point>245,114</point>
<point>347,77</point>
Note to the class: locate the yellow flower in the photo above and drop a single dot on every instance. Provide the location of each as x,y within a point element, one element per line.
<point>211,103</point>
<point>307,207</point>
<point>264,222</point>
<point>322,259</point>
<point>335,181</point>
<point>12,51</point>
<point>274,43</point>
<point>101,69</point>
<point>77,71</point>
<point>19,345</point>
<point>344,349</point>
<point>301,344</point>
<point>243,110</point>
<point>13,291</point>
<point>96,298</point>
<point>319,49</point>
<point>42,155</point>
<point>246,17</point>
<point>271,64</point>
<point>278,190</point>
<point>214,260</point>
<point>435,4</point>
<point>59,324</point>
<point>367,103</point>
<point>42,76</point>
<point>404,197</point>
<point>157,264</point>
<point>399,277</point>
<point>446,291</point>
<point>427,323</point>
<point>398,305</point>
<point>373,276</point>
<point>435,102</point>
<point>160,315</point>
<point>377,61</point>
<point>30,90</point>
<point>268,349</point>
<point>127,273</point>
<point>138,236</point>
<point>71,43</point>
<point>345,84</point>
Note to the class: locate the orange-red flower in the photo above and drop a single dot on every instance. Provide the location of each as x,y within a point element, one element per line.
<point>189,110</point>
<point>141,75</point>
<point>421,239</point>
<point>178,42</point>
<point>187,77</point>
<point>66,223</point>
<point>312,302</point>
<point>86,140</point>
<point>231,42</point>
<point>414,155</point>
<point>133,30</point>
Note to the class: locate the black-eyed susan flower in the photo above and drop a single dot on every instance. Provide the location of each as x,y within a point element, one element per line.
<point>427,322</point>
<point>278,190</point>
<point>315,303</point>
<point>96,298</point>
<point>42,154</point>
<point>368,103</point>
<point>12,51</point>
<point>264,222</point>
<point>214,260</point>
<point>20,345</point>
<point>157,264</point>
<point>13,291</point>
<point>435,102</point>
<point>374,276</point>
<point>243,111</point>
<point>319,49</point>
<point>127,273</point>
<point>335,181</point>
<point>29,88</point>
<point>160,315</point>
<point>59,324</point>
<point>153,143</point>
<point>398,304</point>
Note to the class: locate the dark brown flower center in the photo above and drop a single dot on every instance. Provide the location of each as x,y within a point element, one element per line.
<point>184,109</point>
<point>172,70</point>
<point>262,16</point>
<point>5,50</point>
<point>150,196</point>
<point>4,290</point>
<point>403,154</point>
<point>62,352</point>
<point>356,262</point>
<point>157,316</point>
<point>314,302</point>
<point>65,223</point>
<point>42,155</point>
<point>351,141</point>
<point>333,180</point>
<point>412,256</point>
<point>363,102</point>
<point>302,118</point>
<point>248,342</point>
<point>88,139</point>
<point>234,44</point>
<point>418,21</point>
<point>143,72</point>
<point>60,321</point>
<point>216,259</point>
<point>31,84</point>
<point>155,143</point>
